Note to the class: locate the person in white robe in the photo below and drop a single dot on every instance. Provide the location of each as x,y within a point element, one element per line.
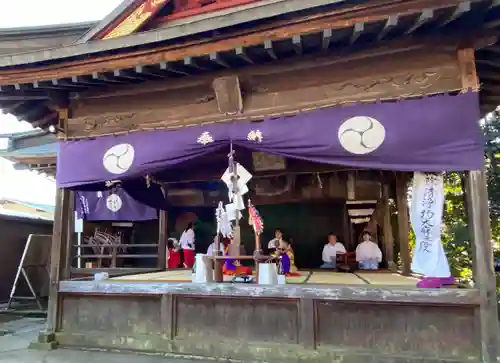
<point>212,248</point>
<point>273,244</point>
<point>368,253</point>
<point>187,243</point>
<point>330,252</point>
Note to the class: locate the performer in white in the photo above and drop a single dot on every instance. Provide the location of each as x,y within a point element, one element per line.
<point>273,244</point>
<point>212,248</point>
<point>368,253</point>
<point>330,251</point>
<point>187,245</point>
<point>426,217</point>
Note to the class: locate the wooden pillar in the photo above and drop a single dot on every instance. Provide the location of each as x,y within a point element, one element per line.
<point>60,249</point>
<point>387,229</point>
<point>347,229</point>
<point>484,273</point>
<point>162,240</point>
<point>403,222</point>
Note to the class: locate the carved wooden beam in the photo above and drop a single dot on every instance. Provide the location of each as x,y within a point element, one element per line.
<point>228,95</point>
<point>468,72</point>
<point>413,73</point>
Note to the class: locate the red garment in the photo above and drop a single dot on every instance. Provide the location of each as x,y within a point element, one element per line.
<point>174,258</point>
<point>188,258</point>
<point>239,270</point>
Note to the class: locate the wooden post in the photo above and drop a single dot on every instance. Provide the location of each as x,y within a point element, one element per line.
<point>162,240</point>
<point>403,223</point>
<point>347,229</point>
<point>387,229</point>
<point>484,272</point>
<point>58,257</point>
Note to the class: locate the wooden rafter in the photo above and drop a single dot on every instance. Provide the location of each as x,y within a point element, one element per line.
<point>268,33</point>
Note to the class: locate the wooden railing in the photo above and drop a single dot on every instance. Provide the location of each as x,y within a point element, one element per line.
<point>112,255</point>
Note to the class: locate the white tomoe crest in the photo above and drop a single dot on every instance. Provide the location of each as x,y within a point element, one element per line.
<point>361,135</point>
<point>114,203</point>
<point>119,158</point>
<point>255,135</point>
<point>205,138</point>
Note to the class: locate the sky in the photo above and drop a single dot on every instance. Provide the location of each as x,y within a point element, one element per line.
<point>25,185</point>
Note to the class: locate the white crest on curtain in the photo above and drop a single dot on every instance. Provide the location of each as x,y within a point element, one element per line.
<point>361,135</point>
<point>255,135</point>
<point>426,216</point>
<point>205,138</point>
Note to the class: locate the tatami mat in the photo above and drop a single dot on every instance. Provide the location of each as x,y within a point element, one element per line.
<point>334,278</point>
<point>306,277</point>
<point>387,278</point>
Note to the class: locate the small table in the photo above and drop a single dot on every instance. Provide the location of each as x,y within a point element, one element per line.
<point>219,261</point>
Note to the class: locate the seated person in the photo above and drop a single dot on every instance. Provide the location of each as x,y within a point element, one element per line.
<point>368,253</point>
<point>174,253</point>
<point>212,248</point>
<point>285,254</point>
<point>330,251</point>
<point>272,246</point>
<point>232,266</point>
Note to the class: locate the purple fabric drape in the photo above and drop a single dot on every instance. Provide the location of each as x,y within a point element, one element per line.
<point>112,205</point>
<point>439,133</point>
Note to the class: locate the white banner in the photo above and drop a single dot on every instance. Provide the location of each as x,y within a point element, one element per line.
<point>426,217</point>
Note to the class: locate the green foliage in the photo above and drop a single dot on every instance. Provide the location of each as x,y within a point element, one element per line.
<point>456,238</point>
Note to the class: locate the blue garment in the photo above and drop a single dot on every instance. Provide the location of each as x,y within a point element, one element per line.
<point>368,265</point>
<point>329,265</point>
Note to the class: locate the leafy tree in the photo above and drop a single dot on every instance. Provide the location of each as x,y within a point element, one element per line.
<point>456,237</point>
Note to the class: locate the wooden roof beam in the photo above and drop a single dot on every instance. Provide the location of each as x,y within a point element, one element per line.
<point>105,79</point>
<point>150,71</point>
<point>47,119</point>
<point>216,58</point>
<point>488,63</point>
<point>326,38</point>
<point>268,47</point>
<point>426,16</point>
<point>86,81</point>
<point>191,62</point>
<point>359,28</point>
<point>242,53</point>
<point>11,109</point>
<point>165,66</point>
<point>297,44</point>
<point>461,9</point>
<point>390,23</point>
<point>8,95</point>
<point>127,75</point>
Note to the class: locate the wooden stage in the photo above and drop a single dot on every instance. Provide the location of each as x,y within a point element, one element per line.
<point>377,278</point>
<point>320,317</point>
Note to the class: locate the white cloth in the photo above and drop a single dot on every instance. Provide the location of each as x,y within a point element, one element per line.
<point>330,251</point>
<point>211,248</point>
<point>368,251</point>
<point>187,240</point>
<point>426,216</point>
<point>273,243</point>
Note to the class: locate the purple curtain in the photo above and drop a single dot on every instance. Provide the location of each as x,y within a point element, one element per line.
<point>439,133</point>
<point>113,205</point>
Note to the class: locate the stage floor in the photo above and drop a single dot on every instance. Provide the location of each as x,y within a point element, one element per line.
<point>380,278</point>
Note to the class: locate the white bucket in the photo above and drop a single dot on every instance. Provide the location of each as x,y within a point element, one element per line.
<point>100,276</point>
<point>281,279</point>
<point>203,269</point>
<point>268,274</point>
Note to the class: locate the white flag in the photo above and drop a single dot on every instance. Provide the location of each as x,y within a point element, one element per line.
<point>426,217</point>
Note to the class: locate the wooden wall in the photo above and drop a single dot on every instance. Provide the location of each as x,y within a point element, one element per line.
<point>267,90</point>
<point>14,233</point>
<point>314,325</point>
